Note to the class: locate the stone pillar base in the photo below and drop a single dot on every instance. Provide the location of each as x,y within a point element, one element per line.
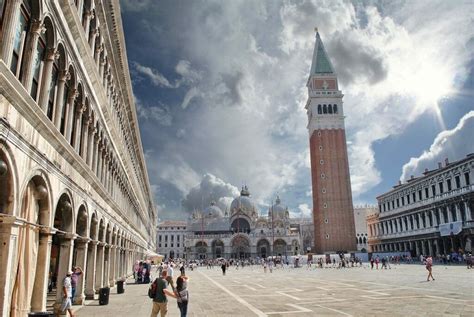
<point>91,297</point>
<point>79,300</point>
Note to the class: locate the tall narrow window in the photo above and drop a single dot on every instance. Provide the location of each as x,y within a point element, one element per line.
<point>63,113</point>
<point>37,67</point>
<point>330,109</point>
<point>334,108</point>
<point>325,109</point>
<point>52,91</point>
<point>441,188</point>
<point>426,192</point>
<point>458,182</point>
<point>466,178</point>
<point>433,190</point>
<point>448,183</point>
<point>20,40</point>
<point>319,109</point>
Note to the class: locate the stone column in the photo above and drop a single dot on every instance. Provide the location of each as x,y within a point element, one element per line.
<point>101,69</point>
<point>91,268</point>
<point>38,299</point>
<point>106,265</point>
<point>79,9</point>
<point>441,215</point>
<point>81,261</point>
<point>10,22</point>
<point>86,22</point>
<point>467,210</point>
<point>95,153</point>
<point>458,213</point>
<point>65,263</point>
<point>36,28</point>
<point>113,249</point>
<point>433,216</point>
<point>420,220</point>
<point>85,140</point>
<point>78,127</point>
<point>96,50</point>
<point>99,272</point>
<point>423,247</point>
<point>90,143</point>
<point>51,55</point>
<point>445,249</point>
<point>9,229</point>
<point>70,114</point>
<point>430,247</point>
<point>436,247</point>
<point>450,218</point>
<point>63,76</point>
<point>417,248</point>
<point>99,159</point>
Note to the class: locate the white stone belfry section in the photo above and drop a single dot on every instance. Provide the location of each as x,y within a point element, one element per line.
<point>323,89</point>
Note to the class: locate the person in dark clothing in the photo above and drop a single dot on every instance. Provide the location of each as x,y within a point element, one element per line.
<point>223,267</point>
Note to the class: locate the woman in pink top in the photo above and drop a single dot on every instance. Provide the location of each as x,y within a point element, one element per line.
<point>429,266</point>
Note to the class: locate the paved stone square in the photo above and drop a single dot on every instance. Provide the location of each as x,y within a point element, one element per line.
<point>400,291</point>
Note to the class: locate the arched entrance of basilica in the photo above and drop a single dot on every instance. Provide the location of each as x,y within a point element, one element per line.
<point>240,247</point>
<point>263,248</point>
<point>217,249</point>
<point>201,250</point>
<point>279,248</point>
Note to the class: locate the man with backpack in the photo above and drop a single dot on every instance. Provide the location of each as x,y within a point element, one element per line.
<point>158,292</point>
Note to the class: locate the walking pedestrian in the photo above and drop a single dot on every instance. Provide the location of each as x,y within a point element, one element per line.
<point>223,267</point>
<point>76,272</point>
<point>182,294</point>
<point>429,267</point>
<point>160,300</point>
<point>372,263</point>
<point>67,294</point>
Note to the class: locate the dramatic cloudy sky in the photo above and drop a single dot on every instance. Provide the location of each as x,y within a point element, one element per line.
<point>220,92</point>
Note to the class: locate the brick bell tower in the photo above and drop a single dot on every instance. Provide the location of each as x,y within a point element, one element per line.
<point>333,215</point>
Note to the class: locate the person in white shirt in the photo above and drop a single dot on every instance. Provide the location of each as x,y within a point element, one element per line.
<point>67,290</point>
<point>170,270</point>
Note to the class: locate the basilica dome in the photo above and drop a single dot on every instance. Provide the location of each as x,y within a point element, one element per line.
<point>279,211</point>
<point>244,203</point>
<point>213,211</point>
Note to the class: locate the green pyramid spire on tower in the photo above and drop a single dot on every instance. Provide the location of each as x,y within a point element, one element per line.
<point>321,63</point>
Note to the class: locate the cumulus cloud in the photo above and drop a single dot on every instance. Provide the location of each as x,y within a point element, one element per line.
<point>211,188</point>
<point>241,69</point>
<point>452,144</point>
<point>155,76</point>
<point>305,210</point>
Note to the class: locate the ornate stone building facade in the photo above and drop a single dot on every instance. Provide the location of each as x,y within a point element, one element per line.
<point>431,214</point>
<point>74,188</point>
<point>333,215</point>
<point>360,220</point>
<point>170,237</point>
<point>242,232</point>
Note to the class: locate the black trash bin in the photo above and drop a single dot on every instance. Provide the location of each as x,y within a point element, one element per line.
<point>104,296</point>
<point>120,288</point>
<point>41,313</point>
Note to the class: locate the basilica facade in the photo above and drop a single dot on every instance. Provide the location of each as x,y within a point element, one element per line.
<point>241,232</point>
<point>74,189</point>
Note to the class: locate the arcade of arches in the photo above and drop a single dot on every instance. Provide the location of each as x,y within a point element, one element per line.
<point>44,232</point>
<point>73,184</point>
